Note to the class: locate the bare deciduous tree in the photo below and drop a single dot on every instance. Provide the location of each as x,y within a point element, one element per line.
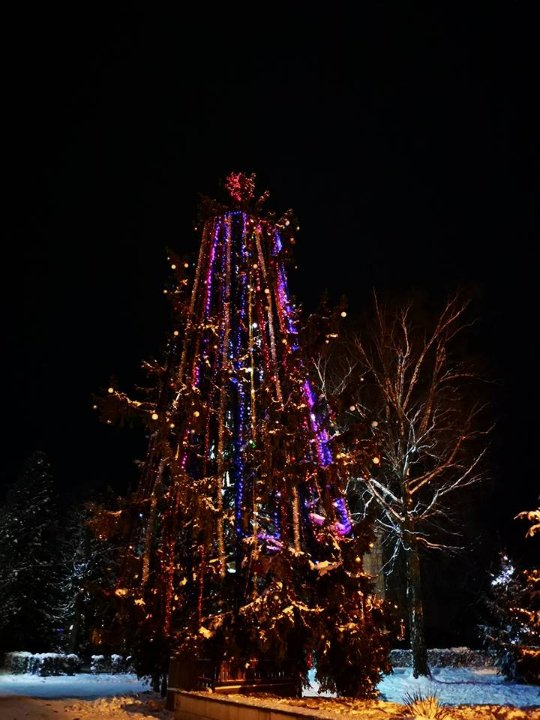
<point>412,385</point>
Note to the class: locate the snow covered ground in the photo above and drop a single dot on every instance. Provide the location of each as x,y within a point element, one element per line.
<point>454,686</point>
<point>83,685</point>
<point>124,697</point>
<point>79,697</point>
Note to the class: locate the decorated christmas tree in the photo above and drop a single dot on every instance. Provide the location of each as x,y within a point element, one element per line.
<point>238,544</point>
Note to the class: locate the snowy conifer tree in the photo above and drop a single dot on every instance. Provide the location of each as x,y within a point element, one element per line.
<point>512,632</point>
<point>86,561</point>
<point>28,562</point>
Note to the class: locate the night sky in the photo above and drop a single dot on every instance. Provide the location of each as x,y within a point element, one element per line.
<point>405,140</point>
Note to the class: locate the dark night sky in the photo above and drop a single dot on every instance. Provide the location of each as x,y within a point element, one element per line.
<point>405,140</point>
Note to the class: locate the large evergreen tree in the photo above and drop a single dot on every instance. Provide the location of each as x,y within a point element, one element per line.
<point>238,541</point>
<point>28,560</point>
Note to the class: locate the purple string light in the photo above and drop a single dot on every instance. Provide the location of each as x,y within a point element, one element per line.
<point>345,526</point>
<point>321,436</point>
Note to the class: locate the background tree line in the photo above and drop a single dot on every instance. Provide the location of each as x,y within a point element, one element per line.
<point>51,565</point>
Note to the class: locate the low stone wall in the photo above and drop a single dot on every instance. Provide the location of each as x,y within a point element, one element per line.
<point>191,706</point>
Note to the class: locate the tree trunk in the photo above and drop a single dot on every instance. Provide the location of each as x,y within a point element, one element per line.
<point>156,681</point>
<point>416,610</point>
<point>74,639</point>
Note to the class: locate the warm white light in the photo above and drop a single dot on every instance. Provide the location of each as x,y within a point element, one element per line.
<point>344,314</point>
<point>173,267</point>
<point>155,416</point>
<point>376,460</point>
<point>110,390</point>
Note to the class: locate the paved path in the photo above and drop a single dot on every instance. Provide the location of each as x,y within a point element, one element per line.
<point>16,707</point>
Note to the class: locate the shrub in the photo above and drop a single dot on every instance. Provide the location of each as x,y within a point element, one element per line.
<point>512,632</point>
<point>44,664</point>
<point>444,657</point>
<point>109,664</point>
<point>418,707</point>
